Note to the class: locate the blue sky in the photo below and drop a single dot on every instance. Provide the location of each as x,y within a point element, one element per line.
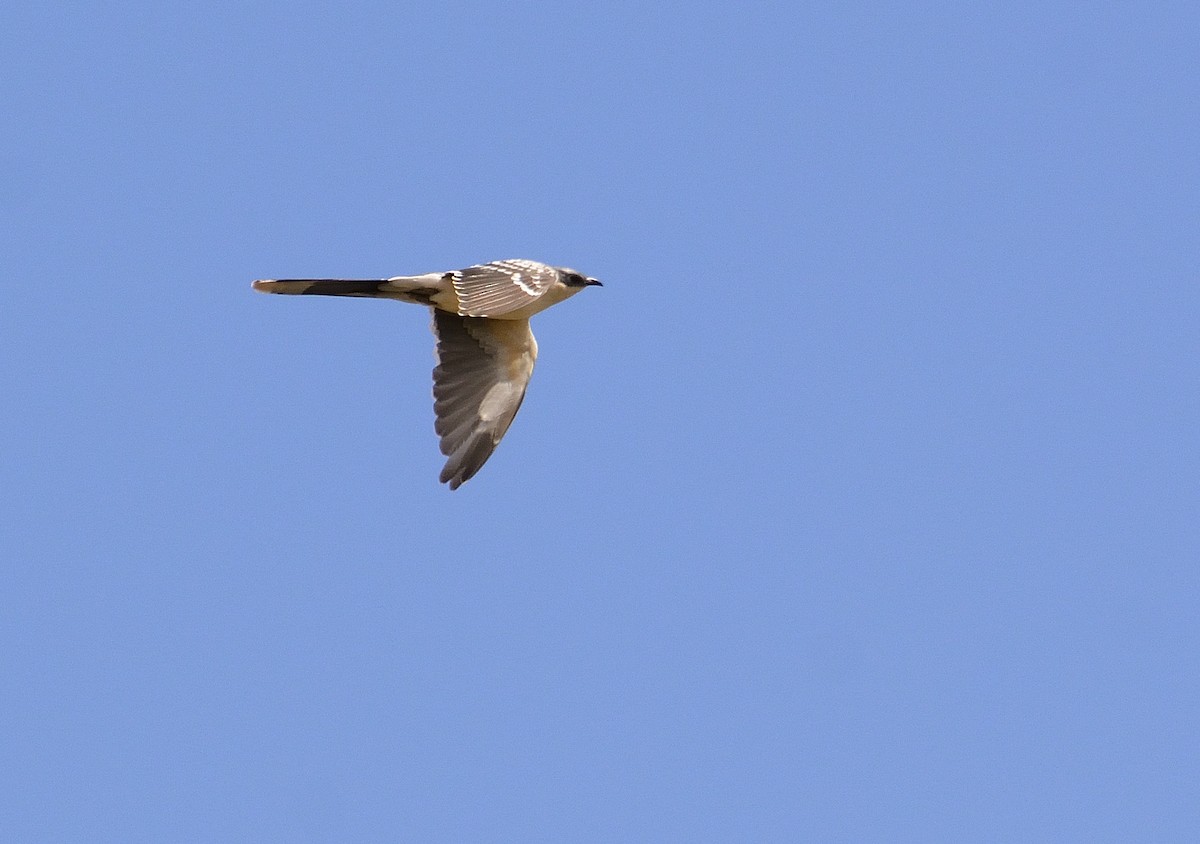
<point>860,504</point>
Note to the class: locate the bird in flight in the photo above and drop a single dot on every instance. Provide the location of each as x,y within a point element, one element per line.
<point>485,349</point>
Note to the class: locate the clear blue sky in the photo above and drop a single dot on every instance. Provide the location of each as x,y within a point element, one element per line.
<point>861,504</point>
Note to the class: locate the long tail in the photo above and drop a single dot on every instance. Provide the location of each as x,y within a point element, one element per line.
<point>323,286</point>
<point>420,290</point>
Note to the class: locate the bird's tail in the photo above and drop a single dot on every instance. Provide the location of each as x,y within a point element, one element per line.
<point>420,290</point>
<point>322,286</point>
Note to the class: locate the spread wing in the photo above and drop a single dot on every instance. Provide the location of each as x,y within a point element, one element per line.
<point>501,286</point>
<point>483,368</point>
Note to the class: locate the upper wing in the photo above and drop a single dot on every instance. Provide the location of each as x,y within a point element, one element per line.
<point>483,368</point>
<point>501,286</point>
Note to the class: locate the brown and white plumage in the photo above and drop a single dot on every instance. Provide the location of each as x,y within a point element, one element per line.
<point>485,348</point>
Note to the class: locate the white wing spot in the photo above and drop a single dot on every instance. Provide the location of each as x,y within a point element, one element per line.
<point>497,401</point>
<point>531,289</point>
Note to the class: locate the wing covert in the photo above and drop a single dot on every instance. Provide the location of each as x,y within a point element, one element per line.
<point>501,287</point>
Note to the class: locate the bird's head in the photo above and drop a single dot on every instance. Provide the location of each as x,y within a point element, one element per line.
<point>575,279</point>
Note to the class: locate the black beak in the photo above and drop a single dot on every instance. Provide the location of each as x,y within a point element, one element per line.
<point>588,282</point>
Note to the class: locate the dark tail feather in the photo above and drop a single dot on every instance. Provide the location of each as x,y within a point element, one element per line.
<point>322,286</point>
